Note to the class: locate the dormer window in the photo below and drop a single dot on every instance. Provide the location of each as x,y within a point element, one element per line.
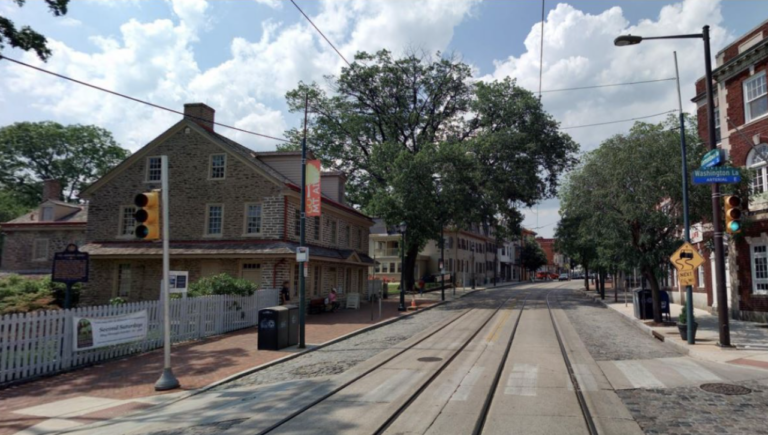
<point>47,214</point>
<point>218,165</point>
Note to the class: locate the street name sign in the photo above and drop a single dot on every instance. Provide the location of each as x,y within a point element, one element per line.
<point>712,158</point>
<point>721,174</point>
<point>686,259</point>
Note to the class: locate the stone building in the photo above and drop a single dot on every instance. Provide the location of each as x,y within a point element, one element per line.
<point>32,238</point>
<point>741,131</point>
<point>232,210</point>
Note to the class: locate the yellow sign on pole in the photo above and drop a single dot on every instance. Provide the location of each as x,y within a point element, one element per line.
<point>686,259</point>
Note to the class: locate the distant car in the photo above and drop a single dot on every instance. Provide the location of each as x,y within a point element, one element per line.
<point>541,275</point>
<point>563,277</point>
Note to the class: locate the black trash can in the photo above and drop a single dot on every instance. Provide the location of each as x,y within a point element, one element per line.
<point>644,304</point>
<point>293,324</point>
<point>664,304</point>
<point>273,328</point>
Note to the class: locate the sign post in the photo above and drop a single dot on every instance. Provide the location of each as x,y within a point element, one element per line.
<point>686,259</point>
<point>70,267</point>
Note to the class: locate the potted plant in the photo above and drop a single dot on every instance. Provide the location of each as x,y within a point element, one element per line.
<point>682,325</point>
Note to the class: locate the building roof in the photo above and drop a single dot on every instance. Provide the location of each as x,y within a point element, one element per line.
<point>219,248</point>
<point>79,215</point>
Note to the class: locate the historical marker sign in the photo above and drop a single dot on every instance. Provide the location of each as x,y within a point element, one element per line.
<point>70,266</point>
<point>721,174</point>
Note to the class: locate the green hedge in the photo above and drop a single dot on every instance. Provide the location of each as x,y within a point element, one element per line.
<point>19,294</point>
<point>222,284</point>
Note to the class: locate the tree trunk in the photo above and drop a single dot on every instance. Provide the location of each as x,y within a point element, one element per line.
<point>615,286</point>
<point>586,276</point>
<point>651,277</point>
<point>601,277</point>
<point>410,265</point>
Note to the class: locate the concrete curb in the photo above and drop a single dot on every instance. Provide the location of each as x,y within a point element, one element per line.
<point>643,327</point>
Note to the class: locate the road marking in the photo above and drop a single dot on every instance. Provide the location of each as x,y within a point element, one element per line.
<point>501,320</point>
<point>638,375</point>
<point>393,387</point>
<point>522,380</point>
<point>693,372</point>
<point>469,381</point>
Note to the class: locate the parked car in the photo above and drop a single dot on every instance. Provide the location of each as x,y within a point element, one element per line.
<point>541,275</point>
<point>563,277</point>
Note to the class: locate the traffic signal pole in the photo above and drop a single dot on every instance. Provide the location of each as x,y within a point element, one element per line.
<point>688,288</point>
<point>167,380</point>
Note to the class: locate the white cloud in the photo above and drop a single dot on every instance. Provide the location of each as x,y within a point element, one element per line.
<point>274,4</point>
<point>69,22</point>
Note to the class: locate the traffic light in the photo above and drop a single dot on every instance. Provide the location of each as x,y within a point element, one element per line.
<point>147,216</point>
<point>733,214</point>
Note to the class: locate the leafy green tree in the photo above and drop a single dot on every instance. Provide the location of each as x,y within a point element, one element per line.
<point>626,199</point>
<point>77,155</point>
<point>25,38</point>
<point>533,257</point>
<point>421,143</point>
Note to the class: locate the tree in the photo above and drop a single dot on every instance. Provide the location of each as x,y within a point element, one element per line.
<point>533,257</point>
<point>627,196</point>
<point>26,38</point>
<point>422,144</point>
<point>76,155</point>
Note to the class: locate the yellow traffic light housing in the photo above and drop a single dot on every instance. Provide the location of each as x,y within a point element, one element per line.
<point>147,216</point>
<point>732,214</point>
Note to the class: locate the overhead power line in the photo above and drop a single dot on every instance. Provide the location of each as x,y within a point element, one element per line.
<point>156,106</point>
<point>606,86</point>
<point>618,121</point>
<point>541,49</point>
<point>321,33</point>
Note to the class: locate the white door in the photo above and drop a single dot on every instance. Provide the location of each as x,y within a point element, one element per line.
<point>251,272</point>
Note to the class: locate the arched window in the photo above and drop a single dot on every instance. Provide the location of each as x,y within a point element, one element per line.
<point>756,162</point>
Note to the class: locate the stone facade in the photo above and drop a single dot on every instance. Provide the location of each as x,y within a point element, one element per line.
<point>247,180</point>
<point>18,247</point>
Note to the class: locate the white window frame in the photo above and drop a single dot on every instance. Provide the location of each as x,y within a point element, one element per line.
<point>208,217</point>
<point>718,132</point>
<point>147,165</point>
<point>747,111</point>
<point>701,277</point>
<point>210,167</point>
<point>752,257</point>
<point>119,280</point>
<point>121,222</point>
<point>247,206</point>
<point>40,256</point>
<point>43,218</point>
<point>760,171</point>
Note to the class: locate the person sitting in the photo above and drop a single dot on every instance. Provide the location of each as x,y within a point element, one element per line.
<point>332,300</point>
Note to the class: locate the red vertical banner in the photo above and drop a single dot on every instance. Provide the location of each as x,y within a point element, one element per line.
<point>313,188</point>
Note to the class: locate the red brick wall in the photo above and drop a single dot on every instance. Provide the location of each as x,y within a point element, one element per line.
<point>733,50</point>
<point>548,246</point>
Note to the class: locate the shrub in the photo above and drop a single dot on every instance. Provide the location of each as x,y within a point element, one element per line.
<point>19,294</point>
<point>222,284</point>
<point>117,301</point>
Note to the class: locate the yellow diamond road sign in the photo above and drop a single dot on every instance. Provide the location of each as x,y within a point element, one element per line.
<point>686,260</point>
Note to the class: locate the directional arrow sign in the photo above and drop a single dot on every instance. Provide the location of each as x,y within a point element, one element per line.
<point>686,259</point>
<point>722,174</point>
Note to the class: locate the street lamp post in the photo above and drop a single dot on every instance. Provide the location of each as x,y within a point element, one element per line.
<point>474,266</point>
<point>722,298</point>
<point>402,229</point>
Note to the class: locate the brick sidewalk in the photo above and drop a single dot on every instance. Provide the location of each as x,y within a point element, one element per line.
<point>118,387</point>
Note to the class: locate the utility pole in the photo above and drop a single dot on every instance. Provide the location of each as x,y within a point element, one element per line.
<point>302,232</point>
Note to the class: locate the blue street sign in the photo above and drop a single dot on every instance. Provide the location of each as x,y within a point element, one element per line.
<point>712,158</point>
<point>714,175</point>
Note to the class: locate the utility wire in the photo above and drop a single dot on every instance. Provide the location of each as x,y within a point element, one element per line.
<point>605,86</point>
<point>138,100</point>
<point>618,121</point>
<point>321,33</point>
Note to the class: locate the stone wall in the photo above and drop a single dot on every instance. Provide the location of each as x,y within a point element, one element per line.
<point>18,248</point>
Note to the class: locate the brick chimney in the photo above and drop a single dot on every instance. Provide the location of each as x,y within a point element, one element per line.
<point>51,190</point>
<point>201,114</point>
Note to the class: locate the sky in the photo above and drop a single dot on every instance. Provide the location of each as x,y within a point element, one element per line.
<point>242,56</point>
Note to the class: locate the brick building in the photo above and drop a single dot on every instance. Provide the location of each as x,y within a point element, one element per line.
<point>32,238</point>
<point>232,210</point>
<point>741,121</point>
<point>556,262</point>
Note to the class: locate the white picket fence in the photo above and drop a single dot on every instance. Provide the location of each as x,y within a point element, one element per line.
<point>40,342</point>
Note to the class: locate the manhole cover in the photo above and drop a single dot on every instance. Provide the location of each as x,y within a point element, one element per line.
<point>727,389</point>
<point>430,359</point>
